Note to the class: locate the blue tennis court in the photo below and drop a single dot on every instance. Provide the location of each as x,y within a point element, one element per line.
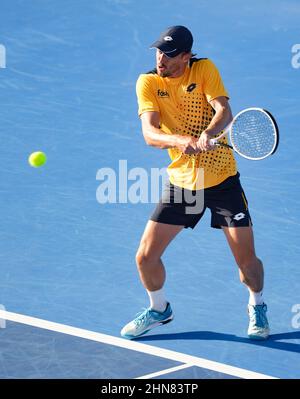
<point>68,277</point>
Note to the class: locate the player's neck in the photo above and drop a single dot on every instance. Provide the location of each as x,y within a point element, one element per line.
<point>179,72</point>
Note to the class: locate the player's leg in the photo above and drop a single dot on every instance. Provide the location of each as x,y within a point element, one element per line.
<point>241,242</point>
<point>155,240</point>
<point>230,212</point>
<point>171,215</point>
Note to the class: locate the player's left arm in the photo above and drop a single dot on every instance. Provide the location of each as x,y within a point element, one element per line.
<point>220,120</point>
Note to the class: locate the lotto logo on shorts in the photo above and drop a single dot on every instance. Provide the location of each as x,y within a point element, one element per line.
<point>2,56</point>
<point>239,216</point>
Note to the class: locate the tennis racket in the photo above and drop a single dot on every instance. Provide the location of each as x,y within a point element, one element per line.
<point>253,133</point>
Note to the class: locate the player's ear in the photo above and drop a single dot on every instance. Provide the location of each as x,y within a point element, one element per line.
<point>186,56</point>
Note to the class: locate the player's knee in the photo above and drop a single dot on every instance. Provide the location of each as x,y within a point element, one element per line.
<point>143,258</point>
<point>139,258</point>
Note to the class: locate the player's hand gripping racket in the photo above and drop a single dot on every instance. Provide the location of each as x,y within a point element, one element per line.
<point>253,134</point>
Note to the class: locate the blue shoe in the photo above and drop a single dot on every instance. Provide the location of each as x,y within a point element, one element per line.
<point>258,325</point>
<point>145,321</point>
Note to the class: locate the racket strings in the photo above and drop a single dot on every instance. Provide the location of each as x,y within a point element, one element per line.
<point>253,134</point>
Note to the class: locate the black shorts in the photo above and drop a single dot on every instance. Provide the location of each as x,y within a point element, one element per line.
<point>226,201</point>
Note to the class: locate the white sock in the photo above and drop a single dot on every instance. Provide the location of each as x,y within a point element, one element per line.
<point>255,298</point>
<point>157,300</point>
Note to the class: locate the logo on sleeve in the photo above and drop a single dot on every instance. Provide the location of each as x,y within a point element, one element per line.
<point>191,87</point>
<point>162,93</point>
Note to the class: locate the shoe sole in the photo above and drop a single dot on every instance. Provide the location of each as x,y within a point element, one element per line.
<point>160,323</point>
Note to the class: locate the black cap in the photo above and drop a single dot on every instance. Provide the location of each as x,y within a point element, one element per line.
<point>174,40</point>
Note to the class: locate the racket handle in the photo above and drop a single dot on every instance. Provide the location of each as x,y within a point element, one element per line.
<point>216,143</point>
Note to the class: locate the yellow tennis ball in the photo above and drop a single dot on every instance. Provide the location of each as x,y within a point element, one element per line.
<point>37,159</point>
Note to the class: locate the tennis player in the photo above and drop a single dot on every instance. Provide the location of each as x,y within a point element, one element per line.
<point>182,105</point>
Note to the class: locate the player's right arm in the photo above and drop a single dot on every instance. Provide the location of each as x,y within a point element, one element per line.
<point>149,112</point>
<point>155,137</point>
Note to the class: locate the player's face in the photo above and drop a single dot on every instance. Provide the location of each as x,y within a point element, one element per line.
<point>170,67</point>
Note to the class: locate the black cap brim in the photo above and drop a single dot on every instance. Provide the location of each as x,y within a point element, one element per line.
<point>168,50</point>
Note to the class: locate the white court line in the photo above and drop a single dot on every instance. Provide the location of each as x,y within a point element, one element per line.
<point>133,345</point>
<point>166,371</point>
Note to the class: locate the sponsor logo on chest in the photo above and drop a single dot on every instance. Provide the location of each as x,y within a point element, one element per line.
<point>165,94</point>
<point>162,93</point>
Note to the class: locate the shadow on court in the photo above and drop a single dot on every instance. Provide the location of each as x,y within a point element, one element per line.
<point>272,342</point>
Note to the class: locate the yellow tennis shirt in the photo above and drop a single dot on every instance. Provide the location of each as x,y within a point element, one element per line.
<point>183,106</point>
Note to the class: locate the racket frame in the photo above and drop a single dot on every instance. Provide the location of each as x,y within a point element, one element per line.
<point>228,129</point>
